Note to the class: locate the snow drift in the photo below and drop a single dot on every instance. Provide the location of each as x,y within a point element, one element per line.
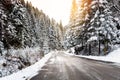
<point>111,57</point>
<point>29,72</point>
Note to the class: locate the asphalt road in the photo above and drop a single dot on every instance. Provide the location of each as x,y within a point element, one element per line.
<point>64,67</point>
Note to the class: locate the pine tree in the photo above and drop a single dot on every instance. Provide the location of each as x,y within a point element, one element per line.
<point>83,12</point>
<point>73,11</point>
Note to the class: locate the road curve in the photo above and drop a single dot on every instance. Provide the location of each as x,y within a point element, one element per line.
<point>64,67</point>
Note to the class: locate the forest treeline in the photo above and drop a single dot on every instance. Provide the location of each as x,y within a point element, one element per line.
<point>22,25</point>
<point>26,35</point>
<point>94,27</point>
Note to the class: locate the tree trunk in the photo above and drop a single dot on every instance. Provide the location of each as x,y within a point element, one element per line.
<point>89,49</point>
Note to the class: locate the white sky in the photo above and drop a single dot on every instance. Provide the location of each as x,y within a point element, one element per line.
<point>57,9</point>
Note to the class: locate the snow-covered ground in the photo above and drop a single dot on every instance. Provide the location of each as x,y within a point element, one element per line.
<point>29,72</point>
<point>33,70</point>
<point>111,57</point>
<point>14,60</point>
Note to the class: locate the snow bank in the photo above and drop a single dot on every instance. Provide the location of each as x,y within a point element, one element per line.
<point>111,57</point>
<point>14,60</point>
<point>28,72</point>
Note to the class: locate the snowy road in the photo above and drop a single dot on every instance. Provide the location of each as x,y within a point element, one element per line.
<point>64,67</point>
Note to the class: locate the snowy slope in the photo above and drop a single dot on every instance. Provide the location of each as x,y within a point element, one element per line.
<point>18,59</point>
<point>111,57</point>
<point>30,71</point>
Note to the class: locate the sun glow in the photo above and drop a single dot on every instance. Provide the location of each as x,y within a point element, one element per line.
<point>57,9</point>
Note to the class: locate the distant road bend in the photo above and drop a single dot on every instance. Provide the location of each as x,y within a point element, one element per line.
<point>64,67</point>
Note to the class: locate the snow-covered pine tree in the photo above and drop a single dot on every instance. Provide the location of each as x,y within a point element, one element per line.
<point>96,28</point>
<point>74,9</point>
<point>23,26</point>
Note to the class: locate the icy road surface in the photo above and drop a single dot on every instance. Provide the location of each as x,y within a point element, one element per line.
<point>65,67</point>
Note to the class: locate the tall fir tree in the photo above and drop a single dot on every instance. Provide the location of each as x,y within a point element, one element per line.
<point>74,9</point>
